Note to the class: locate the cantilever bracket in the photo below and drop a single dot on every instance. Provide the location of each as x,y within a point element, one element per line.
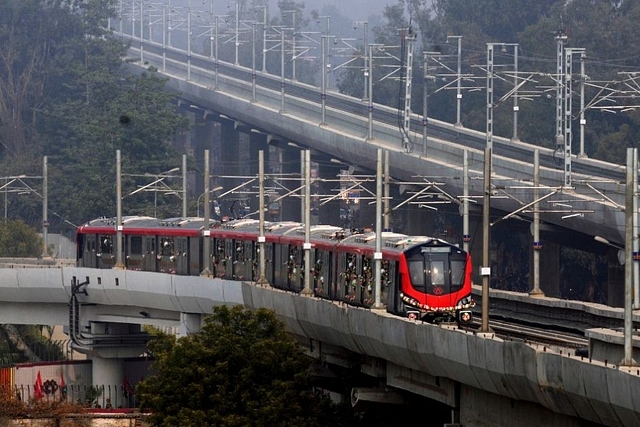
<point>76,287</point>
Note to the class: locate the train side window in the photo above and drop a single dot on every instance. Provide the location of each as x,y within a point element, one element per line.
<point>458,267</point>
<point>136,245</point>
<point>167,246</point>
<point>106,244</point>
<point>416,270</point>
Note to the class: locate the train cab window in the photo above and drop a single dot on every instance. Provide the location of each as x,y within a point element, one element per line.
<point>136,245</point>
<point>437,273</point>
<point>416,270</point>
<point>106,244</point>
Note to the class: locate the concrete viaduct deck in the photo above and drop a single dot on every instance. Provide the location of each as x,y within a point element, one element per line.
<point>522,384</point>
<point>596,197</point>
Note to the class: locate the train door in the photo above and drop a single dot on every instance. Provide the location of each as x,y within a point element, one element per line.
<point>394,303</point>
<point>268,262</point>
<point>347,272</point>
<point>165,253</point>
<point>179,257</point>
<point>319,272</point>
<point>280,266</point>
<point>106,254</point>
<point>293,267</point>
<point>87,257</point>
<point>385,281</point>
<point>135,256</point>
<point>250,263</point>
<point>366,282</point>
<point>229,250</point>
<point>150,252</point>
<point>194,254</point>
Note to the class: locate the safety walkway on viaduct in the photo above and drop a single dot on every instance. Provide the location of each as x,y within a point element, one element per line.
<point>487,380</point>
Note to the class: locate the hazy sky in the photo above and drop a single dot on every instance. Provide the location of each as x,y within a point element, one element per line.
<point>357,10</point>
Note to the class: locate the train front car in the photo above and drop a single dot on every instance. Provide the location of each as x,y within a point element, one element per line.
<point>435,280</point>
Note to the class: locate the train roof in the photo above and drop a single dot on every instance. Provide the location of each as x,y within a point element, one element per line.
<point>314,230</point>
<point>146,222</point>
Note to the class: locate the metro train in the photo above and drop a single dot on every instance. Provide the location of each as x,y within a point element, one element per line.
<point>421,277</point>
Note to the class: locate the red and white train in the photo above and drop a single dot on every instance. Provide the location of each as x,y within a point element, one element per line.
<point>422,277</point>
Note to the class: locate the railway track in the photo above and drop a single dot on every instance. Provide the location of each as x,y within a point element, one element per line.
<point>510,331</point>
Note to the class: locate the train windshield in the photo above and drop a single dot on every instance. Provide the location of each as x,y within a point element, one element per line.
<point>436,270</point>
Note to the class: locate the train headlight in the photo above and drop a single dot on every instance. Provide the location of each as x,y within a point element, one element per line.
<point>465,316</point>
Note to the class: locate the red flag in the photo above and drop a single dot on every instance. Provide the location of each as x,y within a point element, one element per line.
<point>127,390</point>
<point>63,387</point>
<point>39,394</point>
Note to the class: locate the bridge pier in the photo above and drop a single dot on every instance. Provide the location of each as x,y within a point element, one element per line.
<point>207,136</point>
<point>190,323</point>
<point>328,213</point>
<point>257,142</point>
<point>615,278</point>
<point>106,371</point>
<point>549,269</point>
<point>290,161</point>
<point>506,412</point>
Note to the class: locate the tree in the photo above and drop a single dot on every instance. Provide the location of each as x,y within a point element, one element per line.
<point>18,240</point>
<point>242,369</point>
<point>79,104</point>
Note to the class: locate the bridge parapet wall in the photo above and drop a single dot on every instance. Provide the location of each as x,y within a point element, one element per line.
<point>561,382</point>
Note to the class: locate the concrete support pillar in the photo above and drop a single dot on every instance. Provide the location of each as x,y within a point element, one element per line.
<point>207,136</point>
<point>550,269</point>
<point>366,213</point>
<point>185,140</point>
<point>329,213</point>
<point>290,210</point>
<point>107,372</point>
<point>257,142</point>
<point>229,166</point>
<point>419,221</point>
<point>190,323</point>
<point>615,279</point>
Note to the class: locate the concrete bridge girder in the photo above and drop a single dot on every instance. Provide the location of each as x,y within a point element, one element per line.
<point>343,136</point>
<point>508,374</point>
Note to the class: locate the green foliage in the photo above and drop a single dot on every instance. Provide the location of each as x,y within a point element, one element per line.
<point>242,369</point>
<point>607,30</point>
<point>19,240</point>
<point>65,92</point>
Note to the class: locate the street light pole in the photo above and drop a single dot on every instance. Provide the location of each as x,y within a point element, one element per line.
<point>237,37</point>
<point>323,96</point>
<point>45,201</point>
<point>366,72</point>
<point>425,97</point>
<point>262,280</point>
<point>253,61</point>
<point>378,253</point>
<point>184,185</point>
<point>458,79</point>
<point>119,258</point>
<point>293,45</point>
<point>282,95</point>
<point>264,37</point>
<point>189,44</point>
<point>205,227</point>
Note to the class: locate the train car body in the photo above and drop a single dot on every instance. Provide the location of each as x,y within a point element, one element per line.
<point>164,246</point>
<point>421,277</point>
